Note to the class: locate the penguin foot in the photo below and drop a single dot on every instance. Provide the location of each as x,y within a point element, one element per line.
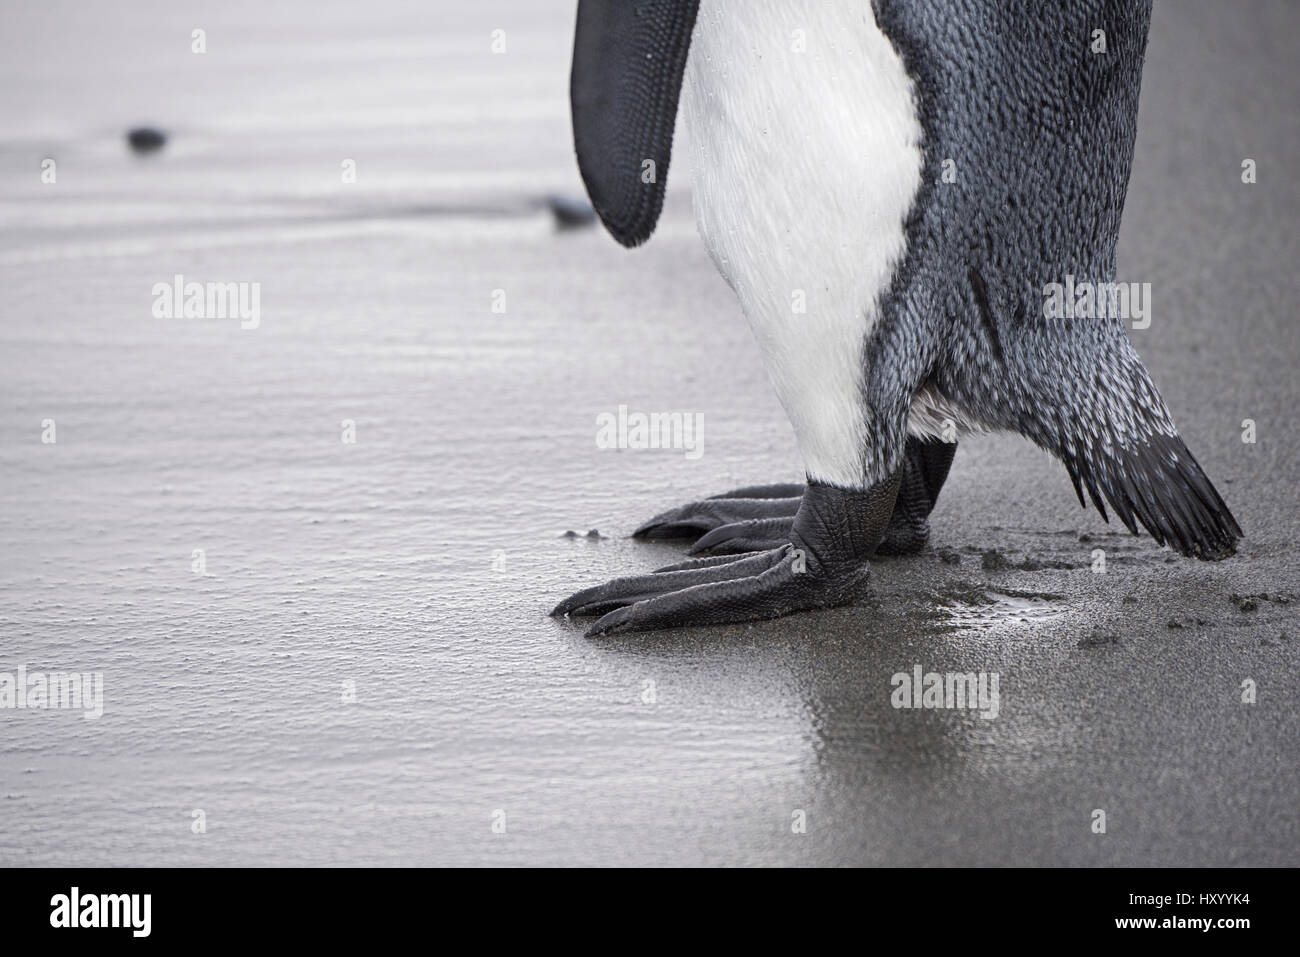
<point>925,469</point>
<point>907,532</point>
<point>823,563</point>
<point>755,503</point>
<point>909,526</point>
<point>760,517</point>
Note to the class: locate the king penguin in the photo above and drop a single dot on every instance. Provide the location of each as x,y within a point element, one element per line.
<point>824,138</point>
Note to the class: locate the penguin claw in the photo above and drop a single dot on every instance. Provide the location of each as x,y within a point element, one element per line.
<point>728,509</point>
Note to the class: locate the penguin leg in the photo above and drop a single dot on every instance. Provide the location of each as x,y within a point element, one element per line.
<point>823,563</point>
<point>925,468</point>
<point>760,517</point>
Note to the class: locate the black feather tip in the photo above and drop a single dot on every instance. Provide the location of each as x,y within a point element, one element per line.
<point>1160,485</point>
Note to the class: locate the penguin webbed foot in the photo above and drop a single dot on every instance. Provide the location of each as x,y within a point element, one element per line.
<point>822,564</point>
<point>760,514</point>
<point>720,590</point>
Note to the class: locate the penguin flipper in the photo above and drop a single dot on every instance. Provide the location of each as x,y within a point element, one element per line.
<point>628,63</point>
<point>824,564</point>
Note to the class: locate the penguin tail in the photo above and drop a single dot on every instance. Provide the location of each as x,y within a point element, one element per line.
<point>1077,389</point>
<point>1158,483</point>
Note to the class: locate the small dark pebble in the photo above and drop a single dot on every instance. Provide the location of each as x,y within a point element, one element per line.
<point>993,560</point>
<point>1251,602</point>
<point>1098,640</point>
<point>593,533</point>
<point>1038,565</point>
<point>146,139</point>
<point>1175,623</point>
<point>948,556</point>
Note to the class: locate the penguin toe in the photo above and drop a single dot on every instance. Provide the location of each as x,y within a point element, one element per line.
<point>778,490</point>
<point>699,517</point>
<point>755,535</point>
<point>786,586</point>
<point>626,591</point>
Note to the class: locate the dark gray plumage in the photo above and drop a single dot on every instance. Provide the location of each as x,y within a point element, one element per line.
<point>1042,131</point>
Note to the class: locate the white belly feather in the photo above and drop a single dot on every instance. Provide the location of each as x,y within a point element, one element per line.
<point>805,163</point>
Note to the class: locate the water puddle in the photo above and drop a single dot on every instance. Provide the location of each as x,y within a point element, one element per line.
<point>1000,608</point>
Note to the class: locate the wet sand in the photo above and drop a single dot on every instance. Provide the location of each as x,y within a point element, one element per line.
<point>419,562</point>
